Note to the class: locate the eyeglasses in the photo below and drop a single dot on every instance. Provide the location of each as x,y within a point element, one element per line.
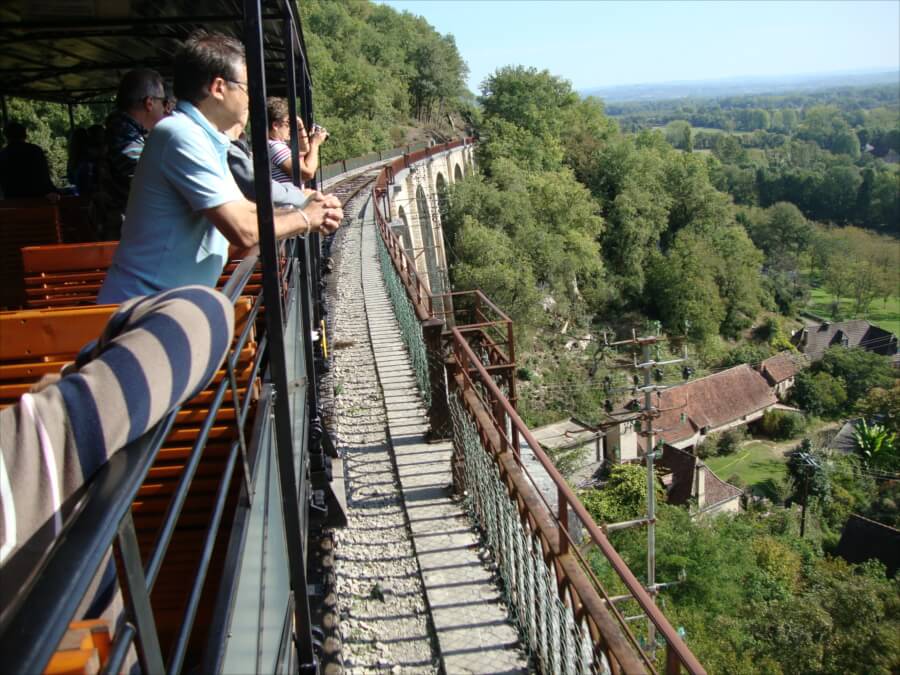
<point>243,86</point>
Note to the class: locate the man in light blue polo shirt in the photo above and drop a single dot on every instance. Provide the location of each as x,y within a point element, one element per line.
<point>184,208</point>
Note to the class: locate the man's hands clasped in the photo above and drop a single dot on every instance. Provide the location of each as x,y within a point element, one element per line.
<point>324,212</point>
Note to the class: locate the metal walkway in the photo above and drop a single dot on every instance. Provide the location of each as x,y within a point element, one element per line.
<point>472,631</point>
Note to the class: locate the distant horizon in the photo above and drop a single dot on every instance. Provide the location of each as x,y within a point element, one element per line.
<point>752,78</point>
<point>600,45</point>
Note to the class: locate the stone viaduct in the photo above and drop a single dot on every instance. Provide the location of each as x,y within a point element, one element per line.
<point>418,201</point>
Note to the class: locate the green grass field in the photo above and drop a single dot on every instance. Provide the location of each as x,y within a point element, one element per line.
<point>884,315</point>
<point>759,464</point>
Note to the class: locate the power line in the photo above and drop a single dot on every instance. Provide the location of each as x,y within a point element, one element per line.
<point>720,369</point>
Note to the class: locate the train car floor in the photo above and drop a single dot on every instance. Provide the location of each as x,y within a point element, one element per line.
<point>415,589</point>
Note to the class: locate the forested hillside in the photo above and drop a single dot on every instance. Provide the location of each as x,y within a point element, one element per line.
<point>579,228</point>
<point>377,73</point>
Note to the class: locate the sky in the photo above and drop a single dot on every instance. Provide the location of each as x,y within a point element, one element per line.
<point>601,44</point>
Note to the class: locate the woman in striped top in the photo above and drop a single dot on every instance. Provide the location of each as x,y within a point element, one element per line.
<point>280,143</point>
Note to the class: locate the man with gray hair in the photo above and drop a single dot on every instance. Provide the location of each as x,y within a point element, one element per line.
<point>140,103</point>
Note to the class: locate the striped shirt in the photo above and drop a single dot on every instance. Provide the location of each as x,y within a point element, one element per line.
<point>125,140</point>
<point>279,153</point>
<point>154,353</point>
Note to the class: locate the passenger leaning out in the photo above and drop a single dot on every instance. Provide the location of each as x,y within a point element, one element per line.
<point>184,208</point>
<point>240,161</point>
<point>280,143</point>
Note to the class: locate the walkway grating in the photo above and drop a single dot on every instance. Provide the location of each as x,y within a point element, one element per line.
<point>473,632</point>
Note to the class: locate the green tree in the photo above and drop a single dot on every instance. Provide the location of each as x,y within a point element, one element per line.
<point>630,182</point>
<point>883,404</point>
<point>837,277</point>
<point>529,98</point>
<point>678,134</point>
<point>845,142</point>
<point>782,229</point>
<point>728,149</point>
<point>861,370</point>
<point>586,130</point>
<point>792,632</point>
<point>820,394</point>
<point>864,611</point>
<point>623,497</point>
<point>694,200</point>
<point>490,262</point>
<point>838,191</point>
<point>501,139</point>
<point>684,288</point>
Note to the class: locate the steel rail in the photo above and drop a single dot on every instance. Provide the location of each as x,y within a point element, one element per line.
<point>673,640</point>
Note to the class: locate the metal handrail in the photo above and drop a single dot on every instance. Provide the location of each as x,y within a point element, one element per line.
<point>46,606</point>
<point>54,594</point>
<point>567,499</point>
<point>417,290</point>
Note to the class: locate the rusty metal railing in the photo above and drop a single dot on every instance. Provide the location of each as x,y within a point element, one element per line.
<point>551,524</point>
<point>476,362</point>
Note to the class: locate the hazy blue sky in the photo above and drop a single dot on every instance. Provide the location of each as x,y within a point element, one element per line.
<point>596,43</point>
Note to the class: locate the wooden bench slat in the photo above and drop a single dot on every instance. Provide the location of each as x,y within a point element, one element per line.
<point>57,278</point>
<point>68,257</point>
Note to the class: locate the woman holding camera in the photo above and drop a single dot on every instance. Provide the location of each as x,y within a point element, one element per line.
<point>280,143</point>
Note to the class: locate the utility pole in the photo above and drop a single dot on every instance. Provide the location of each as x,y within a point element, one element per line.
<point>808,466</point>
<point>649,367</point>
<point>805,499</point>
<point>651,483</point>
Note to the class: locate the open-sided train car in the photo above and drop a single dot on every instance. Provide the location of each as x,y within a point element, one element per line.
<point>210,514</point>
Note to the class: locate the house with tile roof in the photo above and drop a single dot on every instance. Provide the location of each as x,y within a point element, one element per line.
<point>688,480</point>
<point>781,369</point>
<point>815,340</point>
<point>689,412</point>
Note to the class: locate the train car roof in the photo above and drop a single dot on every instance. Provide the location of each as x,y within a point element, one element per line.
<point>77,51</point>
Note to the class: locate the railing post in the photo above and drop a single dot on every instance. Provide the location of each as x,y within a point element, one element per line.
<point>673,664</point>
<point>500,420</point>
<point>562,514</point>
<point>439,412</point>
<point>137,597</point>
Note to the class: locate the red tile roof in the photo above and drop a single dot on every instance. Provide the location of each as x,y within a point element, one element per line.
<point>782,366</point>
<point>711,401</point>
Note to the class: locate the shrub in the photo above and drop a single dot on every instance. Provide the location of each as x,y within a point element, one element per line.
<point>820,394</point>
<point>707,447</point>
<point>730,440</point>
<point>780,425</point>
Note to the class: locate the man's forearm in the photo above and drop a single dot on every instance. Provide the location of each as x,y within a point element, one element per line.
<point>309,163</point>
<point>237,221</point>
<point>289,223</point>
